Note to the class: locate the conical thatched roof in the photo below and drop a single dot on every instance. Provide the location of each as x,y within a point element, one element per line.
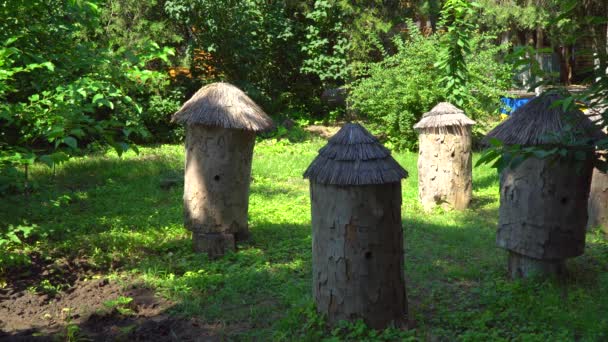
<point>223,105</point>
<point>442,115</point>
<point>538,122</point>
<point>354,157</point>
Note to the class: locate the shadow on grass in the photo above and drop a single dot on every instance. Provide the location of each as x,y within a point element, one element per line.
<point>485,181</point>
<point>242,293</point>
<point>272,191</point>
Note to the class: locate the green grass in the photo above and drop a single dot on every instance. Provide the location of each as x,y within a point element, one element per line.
<point>113,213</point>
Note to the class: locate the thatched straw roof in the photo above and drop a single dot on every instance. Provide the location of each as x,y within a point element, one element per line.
<point>444,114</point>
<point>223,105</point>
<point>354,157</point>
<point>538,122</point>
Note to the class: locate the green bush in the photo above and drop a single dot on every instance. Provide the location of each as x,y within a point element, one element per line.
<point>156,116</point>
<point>399,89</point>
<point>394,93</point>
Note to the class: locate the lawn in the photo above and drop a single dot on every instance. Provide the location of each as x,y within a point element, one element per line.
<point>110,229</point>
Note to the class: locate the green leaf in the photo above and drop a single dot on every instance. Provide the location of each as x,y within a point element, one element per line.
<point>47,160</point>
<point>50,66</point>
<point>97,97</point>
<point>487,157</point>
<point>13,237</point>
<point>542,154</point>
<point>517,160</point>
<point>78,132</point>
<point>105,102</point>
<point>55,132</point>
<point>82,92</point>
<point>71,142</point>
<point>495,142</point>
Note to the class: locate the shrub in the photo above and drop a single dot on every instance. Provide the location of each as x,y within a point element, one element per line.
<point>399,89</point>
<point>394,93</point>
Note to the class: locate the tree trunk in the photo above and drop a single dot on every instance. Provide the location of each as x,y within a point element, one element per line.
<point>543,211</point>
<point>445,168</point>
<point>566,63</point>
<point>599,34</point>
<point>216,187</point>
<point>505,37</point>
<point>357,253</point>
<point>539,58</point>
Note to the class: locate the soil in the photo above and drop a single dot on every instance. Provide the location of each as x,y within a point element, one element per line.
<point>324,132</point>
<point>75,305</point>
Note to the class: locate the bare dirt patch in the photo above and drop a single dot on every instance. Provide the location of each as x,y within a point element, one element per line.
<point>76,303</point>
<point>324,132</point>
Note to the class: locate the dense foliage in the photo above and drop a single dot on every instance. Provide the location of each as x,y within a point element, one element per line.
<point>403,86</point>
<point>62,91</point>
<point>78,75</point>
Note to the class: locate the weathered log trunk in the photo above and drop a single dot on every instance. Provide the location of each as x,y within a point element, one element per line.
<point>358,262</point>
<point>521,266</point>
<point>445,168</point>
<point>216,187</point>
<point>543,213</point>
<point>598,201</point>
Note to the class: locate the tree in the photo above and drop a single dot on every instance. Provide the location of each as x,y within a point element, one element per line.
<point>80,94</point>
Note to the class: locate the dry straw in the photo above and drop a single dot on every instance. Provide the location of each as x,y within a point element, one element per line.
<point>441,116</point>
<point>223,105</point>
<point>354,157</point>
<point>542,121</point>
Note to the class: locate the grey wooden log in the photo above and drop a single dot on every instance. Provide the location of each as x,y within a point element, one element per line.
<point>543,213</point>
<point>598,201</point>
<point>445,168</point>
<point>216,187</point>
<point>358,260</point>
<point>521,266</point>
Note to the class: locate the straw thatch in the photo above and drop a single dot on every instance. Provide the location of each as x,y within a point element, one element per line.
<point>223,105</point>
<point>354,157</point>
<point>539,122</point>
<point>443,114</point>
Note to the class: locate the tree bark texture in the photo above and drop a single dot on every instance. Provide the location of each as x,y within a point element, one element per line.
<point>543,211</point>
<point>598,201</point>
<point>521,266</point>
<point>357,253</point>
<point>445,168</point>
<point>216,187</point>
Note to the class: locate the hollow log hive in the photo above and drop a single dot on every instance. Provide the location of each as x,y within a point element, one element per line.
<point>543,202</point>
<point>543,212</point>
<point>445,158</point>
<point>357,247</point>
<point>598,201</point>
<point>598,195</point>
<point>221,123</point>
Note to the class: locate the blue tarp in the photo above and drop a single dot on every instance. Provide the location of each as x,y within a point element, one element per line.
<point>509,105</point>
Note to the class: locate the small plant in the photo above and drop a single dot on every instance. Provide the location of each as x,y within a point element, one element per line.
<point>48,288</point>
<point>72,332</point>
<point>122,305</point>
<point>12,243</point>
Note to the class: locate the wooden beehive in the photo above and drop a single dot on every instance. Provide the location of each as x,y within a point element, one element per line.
<point>445,158</point>
<point>221,123</point>
<point>358,263</point>
<point>543,202</point>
